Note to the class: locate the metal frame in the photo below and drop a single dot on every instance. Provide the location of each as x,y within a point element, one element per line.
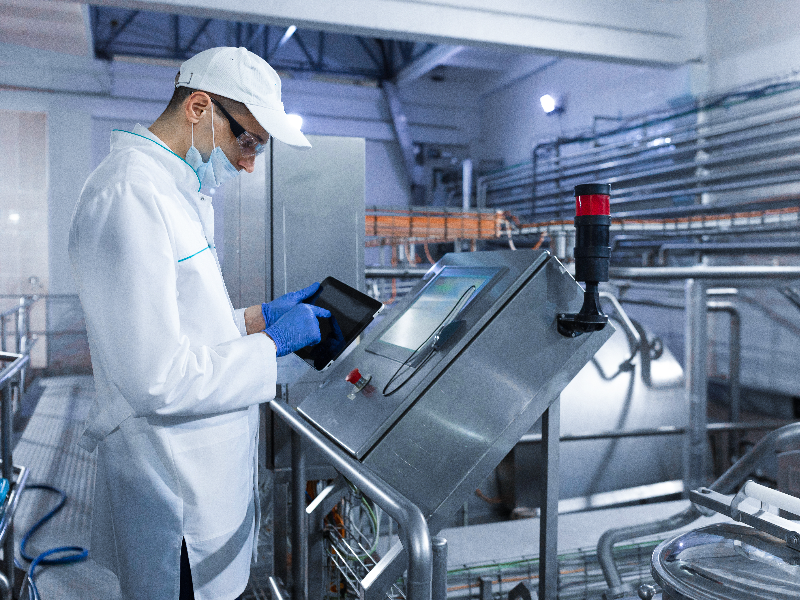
<point>114,32</point>
<point>16,476</point>
<point>427,562</point>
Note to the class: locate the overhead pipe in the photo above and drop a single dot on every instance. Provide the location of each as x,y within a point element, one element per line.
<point>728,248</point>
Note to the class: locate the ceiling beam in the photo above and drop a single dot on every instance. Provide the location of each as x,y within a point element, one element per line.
<point>644,31</point>
<point>438,55</point>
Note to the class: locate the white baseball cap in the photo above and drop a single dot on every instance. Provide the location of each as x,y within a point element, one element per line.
<point>240,75</point>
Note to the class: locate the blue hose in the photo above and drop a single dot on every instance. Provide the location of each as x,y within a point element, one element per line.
<point>77,553</point>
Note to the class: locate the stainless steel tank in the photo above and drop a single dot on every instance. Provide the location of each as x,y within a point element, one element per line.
<point>727,561</point>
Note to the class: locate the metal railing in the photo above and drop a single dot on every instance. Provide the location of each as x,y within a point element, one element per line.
<point>11,377</point>
<point>413,528</point>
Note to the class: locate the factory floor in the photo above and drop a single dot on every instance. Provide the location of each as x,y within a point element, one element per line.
<point>50,421</point>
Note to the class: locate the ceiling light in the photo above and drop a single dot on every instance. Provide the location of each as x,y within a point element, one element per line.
<point>295,121</point>
<point>14,217</point>
<point>551,104</point>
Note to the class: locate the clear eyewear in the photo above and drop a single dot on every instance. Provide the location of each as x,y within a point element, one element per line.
<point>248,143</point>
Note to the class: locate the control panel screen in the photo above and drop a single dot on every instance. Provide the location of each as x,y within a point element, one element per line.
<point>434,305</point>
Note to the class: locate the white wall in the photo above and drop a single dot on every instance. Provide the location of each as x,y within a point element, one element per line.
<point>84,98</point>
<point>752,40</point>
<point>512,119</point>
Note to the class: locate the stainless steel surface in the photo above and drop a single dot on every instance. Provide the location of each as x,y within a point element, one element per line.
<point>470,412</point>
<point>696,336</point>
<point>548,540</point>
<point>734,368</point>
<point>414,531</point>
<point>661,430</point>
<point>299,521</point>
<point>727,562</point>
<point>358,423</point>
<point>438,437</point>
<point>704,273</point>
<point>756,513</point>
<point>318,213</point>
<point>439,582</point>
<point>390,272</point>
<point>275,589</point>
<point>297,219</point>
<point>596,413</point>
<point>776,440</point>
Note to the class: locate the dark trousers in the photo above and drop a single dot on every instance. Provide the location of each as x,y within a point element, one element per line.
<point>187,591</point>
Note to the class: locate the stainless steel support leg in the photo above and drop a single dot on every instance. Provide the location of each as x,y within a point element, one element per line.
<point>280,520</point>
<point>695,462</point>
<point>439,582</point>
<point>486,588</point>
<point>548,532</point>
<point>734,369</point>
<point>8,474</point>
<point>299,522</point>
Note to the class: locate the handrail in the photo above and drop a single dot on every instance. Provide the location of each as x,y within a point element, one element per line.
<point>18,363</point>
<point>413,528</point>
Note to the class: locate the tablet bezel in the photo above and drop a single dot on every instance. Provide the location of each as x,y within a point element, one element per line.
<point>371,307</point>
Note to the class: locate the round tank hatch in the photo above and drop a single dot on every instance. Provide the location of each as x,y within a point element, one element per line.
<point>727,561</point>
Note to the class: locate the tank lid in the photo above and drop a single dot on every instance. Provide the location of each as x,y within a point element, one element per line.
<point>727,561</point>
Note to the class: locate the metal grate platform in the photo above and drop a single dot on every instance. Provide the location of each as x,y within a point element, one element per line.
<point>47,447</point>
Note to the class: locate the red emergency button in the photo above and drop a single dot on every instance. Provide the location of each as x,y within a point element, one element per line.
<point>354,377</point>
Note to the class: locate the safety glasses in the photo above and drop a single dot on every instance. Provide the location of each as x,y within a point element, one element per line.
<point>248,143</point>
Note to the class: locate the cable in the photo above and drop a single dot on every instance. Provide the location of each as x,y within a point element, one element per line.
<point>78,553</point>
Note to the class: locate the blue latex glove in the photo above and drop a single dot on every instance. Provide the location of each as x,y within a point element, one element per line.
<point>274,310</point>
<point>297,328</point>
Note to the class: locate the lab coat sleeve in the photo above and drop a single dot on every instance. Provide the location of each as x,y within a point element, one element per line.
<point>125,261</point>
<point>238,317</point>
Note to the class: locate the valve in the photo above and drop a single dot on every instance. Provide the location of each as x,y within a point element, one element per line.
<point>592,254</point>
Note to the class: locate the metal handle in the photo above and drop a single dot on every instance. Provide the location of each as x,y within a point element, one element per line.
<point>767,496</point>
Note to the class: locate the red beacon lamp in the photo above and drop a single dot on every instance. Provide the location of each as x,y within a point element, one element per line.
<point>592,254</point>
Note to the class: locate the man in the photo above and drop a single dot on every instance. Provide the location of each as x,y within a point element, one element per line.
<point>178,372</point>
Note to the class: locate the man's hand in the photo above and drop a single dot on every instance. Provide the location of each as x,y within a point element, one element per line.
<point>297,328</point>
<point>257,318</point>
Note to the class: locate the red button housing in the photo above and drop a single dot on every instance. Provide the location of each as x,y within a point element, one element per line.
<point>353,377</point>
<point>593,204</point>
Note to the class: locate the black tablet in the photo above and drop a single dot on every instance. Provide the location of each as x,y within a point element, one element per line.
<point>351,312</point>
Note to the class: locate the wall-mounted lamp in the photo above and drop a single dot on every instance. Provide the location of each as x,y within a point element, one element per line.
<point>552,104</point>
<point>295,120</point>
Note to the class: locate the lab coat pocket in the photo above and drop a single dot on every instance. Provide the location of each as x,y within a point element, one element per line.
<point>214,468</point>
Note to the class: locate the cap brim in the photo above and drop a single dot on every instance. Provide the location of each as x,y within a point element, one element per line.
<point>279,126</point>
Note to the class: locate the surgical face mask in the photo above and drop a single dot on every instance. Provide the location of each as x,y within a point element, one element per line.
<point>217,170</point>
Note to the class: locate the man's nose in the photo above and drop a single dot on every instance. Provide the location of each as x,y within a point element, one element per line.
<point>247,163</point>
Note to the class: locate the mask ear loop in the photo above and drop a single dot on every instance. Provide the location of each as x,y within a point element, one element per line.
<point>213,139</point>
<point>192,134</point>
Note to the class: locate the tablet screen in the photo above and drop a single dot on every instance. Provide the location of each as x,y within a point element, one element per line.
<point>351,312</point>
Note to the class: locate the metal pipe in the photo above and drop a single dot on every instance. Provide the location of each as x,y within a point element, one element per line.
<point>734,368</point>
<point>391,272</point>
<point>696,336</point>
<point>439,582</point>
<point>706,272</point>
<point>299,520</point>
<point>638,273</point>
<point>536,438</point>
<point>413,528</point>
<point>729,248</point>
<point>785,436</point>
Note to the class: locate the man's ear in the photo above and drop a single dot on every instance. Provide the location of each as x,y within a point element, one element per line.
<point>196,105</point>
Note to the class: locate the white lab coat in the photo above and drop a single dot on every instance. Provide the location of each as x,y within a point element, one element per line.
<point>175,418</point>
